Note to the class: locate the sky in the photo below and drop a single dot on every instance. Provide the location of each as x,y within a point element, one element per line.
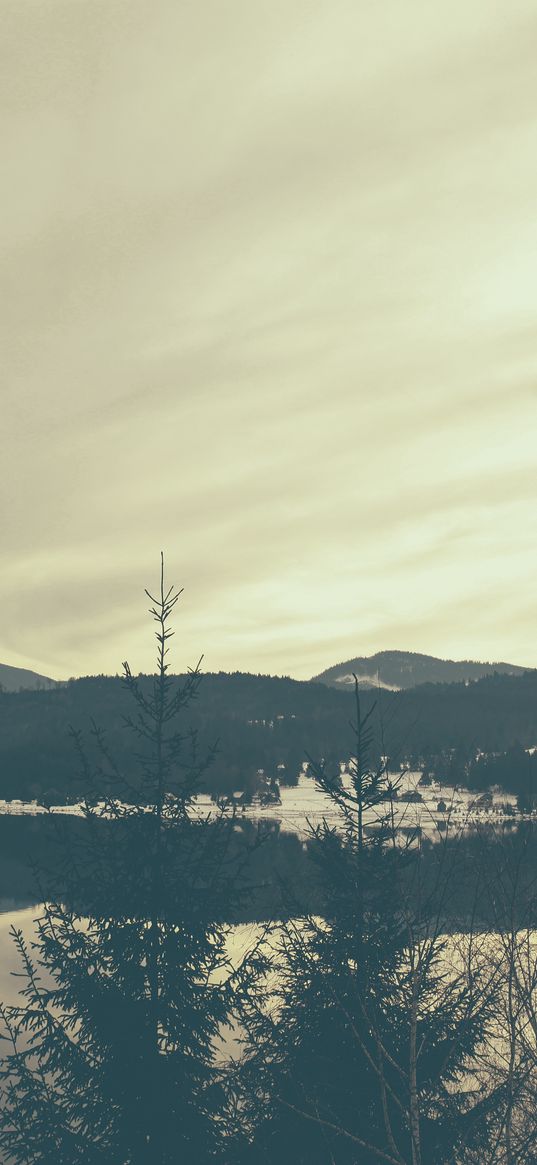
<point>269,293</point>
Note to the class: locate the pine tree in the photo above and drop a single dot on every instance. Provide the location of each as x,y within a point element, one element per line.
<point>366,1053</point>
<point>110,1057</point>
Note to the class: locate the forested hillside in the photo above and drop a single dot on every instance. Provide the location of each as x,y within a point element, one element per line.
<point>265,722</point>
<point>15,679</point>
<point>407,669</point>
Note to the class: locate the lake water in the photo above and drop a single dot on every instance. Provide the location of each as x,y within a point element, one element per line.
<point>22,829</point>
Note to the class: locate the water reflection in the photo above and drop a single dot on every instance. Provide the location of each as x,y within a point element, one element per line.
<point>10,983</point>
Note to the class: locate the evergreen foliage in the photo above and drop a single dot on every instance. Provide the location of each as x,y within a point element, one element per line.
<point>110,1056</point>
<point>364,1055</point>
<point>362,1041</point>
<point>265,721</point>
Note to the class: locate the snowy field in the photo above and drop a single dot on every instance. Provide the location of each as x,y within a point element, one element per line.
<point>304,805</point>
<point>458,807</point>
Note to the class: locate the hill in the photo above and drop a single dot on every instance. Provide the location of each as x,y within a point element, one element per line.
<point>399,670</point>
<point>16,679</point>
<point>264,722</point>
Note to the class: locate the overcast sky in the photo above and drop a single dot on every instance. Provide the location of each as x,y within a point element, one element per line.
<point>269,303</point>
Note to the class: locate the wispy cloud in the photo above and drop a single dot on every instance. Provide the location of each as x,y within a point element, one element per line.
<point>269,303</point>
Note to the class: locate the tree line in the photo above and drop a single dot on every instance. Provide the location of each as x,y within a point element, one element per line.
<point>269,723</point>
<point>150,1031</point>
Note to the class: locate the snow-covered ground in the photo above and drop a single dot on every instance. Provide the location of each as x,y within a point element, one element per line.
<point>306,805</point>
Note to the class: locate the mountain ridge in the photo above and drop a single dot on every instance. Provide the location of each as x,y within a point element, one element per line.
<point>401,670</point>
<point>15,679</point>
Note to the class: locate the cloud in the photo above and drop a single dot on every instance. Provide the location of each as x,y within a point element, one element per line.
<point>269,303</point>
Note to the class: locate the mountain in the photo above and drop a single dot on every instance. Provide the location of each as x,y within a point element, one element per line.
<point>399,670</point>
<point>16,679</point>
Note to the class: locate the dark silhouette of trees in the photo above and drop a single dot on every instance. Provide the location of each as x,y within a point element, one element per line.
<point>370,1033</point>
<point>110,1056</point>
<point>365,1055</point>
<point>264,721</point>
